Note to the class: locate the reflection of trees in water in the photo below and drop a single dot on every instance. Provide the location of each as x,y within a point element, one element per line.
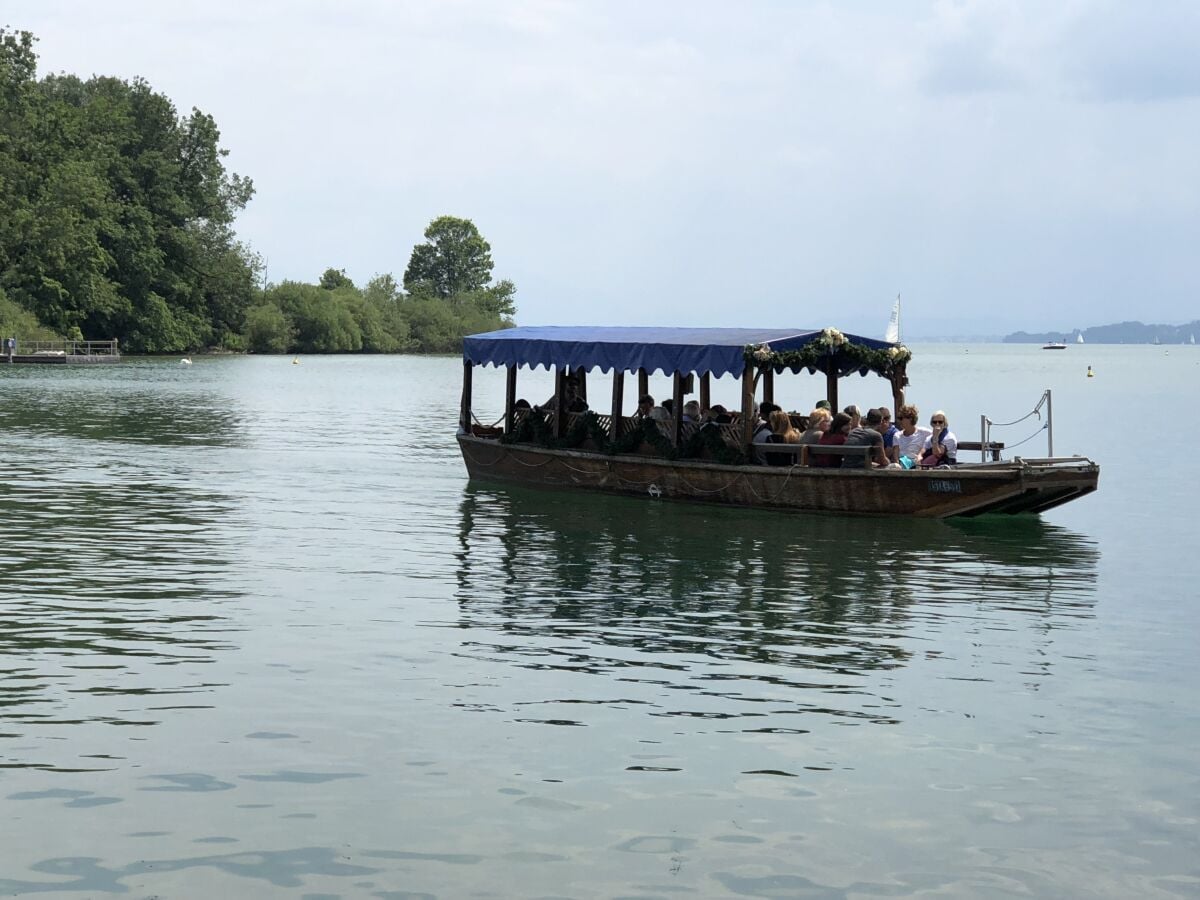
<point>808,597</point>
<point>108,590</point>
<point>121,410</point>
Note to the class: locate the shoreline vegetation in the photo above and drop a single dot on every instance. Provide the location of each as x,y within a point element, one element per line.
<point>1118,333</point>
<point>119,224</point>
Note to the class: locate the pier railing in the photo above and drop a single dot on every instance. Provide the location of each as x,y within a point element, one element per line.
<point>63,348</point>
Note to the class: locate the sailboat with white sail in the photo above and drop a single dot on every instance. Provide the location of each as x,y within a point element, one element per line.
<point>1079,339</point>
<point>892,335</point>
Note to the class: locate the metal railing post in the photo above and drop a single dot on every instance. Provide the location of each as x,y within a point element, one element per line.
<point>1049,425</point>
<point>983,441</point>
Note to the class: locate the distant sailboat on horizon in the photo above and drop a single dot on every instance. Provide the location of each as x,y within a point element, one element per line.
<point>1079,339</point>
<point>1191,339</point>
<point>892,335</point>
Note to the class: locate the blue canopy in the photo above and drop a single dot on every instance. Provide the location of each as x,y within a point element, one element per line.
<point>716,350</point>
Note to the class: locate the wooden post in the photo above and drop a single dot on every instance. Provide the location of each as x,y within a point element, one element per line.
<point>617,403</point>
<point>464,411</point>
<point>831,392</point>
<point>677,410</point>
<point>897,395</point>
<point>748,406</point>
<point>560,408</point>
<point>510,401</point>
<point>581,382</point>
<point>705,392</point>
<point>768,385</point>
<point>643,384</point>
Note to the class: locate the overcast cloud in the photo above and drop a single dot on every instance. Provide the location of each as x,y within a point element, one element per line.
<point>1003,165</point>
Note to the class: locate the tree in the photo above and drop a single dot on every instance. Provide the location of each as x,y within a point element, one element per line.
<point>332,279</point>
<point>267,329</point>
<point>118,212</point>
<point>454,259</point>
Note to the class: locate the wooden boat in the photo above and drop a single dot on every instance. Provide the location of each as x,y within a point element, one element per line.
<point>555,447</point>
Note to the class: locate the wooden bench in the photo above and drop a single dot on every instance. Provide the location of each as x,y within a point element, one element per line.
<point>802,452</point>
<point>993,448</point>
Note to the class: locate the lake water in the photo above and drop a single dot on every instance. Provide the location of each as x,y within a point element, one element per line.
<point>260,637</point>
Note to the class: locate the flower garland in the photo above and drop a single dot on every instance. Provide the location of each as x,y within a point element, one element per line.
<point>831,346</point>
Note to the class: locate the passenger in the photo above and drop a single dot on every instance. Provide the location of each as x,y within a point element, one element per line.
<point>855,415</point>
<point>818,424</point>
<point>941,447</point>
<point>889,430</point>
<point>910,439</point>
<point>691,411</point>
<point>669,406</point>
<point>645,404</point>
<point>834,436</point>
<point>869,434</point>
<point>660,413</point>
<point>522,404</point>
<point>782,432</point>
<point>762,428</point>
<point>720,415</point>
<point>825,405</point>
<point>571,396</point>
<point>781,424</point>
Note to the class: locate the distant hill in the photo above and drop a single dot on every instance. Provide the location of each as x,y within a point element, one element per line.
<point>1120,333</point>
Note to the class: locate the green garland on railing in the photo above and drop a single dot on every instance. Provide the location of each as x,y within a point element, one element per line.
<point>533,429</point>
<point>831,344</point>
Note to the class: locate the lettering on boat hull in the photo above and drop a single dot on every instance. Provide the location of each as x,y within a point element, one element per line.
<point>945,486</point>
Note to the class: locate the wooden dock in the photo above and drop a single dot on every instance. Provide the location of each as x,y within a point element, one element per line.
<point>72,353</point>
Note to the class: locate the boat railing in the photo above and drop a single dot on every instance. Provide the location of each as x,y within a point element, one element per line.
<point>986,425</point>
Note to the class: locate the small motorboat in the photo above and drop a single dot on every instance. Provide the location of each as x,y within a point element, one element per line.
<point>1054,345</point>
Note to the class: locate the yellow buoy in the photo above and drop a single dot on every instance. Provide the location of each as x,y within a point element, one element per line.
<point>1091,374</point>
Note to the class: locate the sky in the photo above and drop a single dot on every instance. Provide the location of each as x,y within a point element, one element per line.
<point>1001,166</point>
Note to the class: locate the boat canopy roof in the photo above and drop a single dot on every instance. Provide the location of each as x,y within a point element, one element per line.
<point>720,351</point>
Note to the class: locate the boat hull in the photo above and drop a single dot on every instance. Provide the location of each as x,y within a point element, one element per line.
<point>1020,486</point>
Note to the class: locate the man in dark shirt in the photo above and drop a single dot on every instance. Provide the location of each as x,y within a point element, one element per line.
<point>867,435</point>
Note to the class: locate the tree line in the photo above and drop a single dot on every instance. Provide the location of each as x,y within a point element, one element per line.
<point>118,222</point>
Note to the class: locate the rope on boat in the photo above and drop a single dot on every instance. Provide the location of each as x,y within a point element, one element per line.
<point>1026,440</point>
<point>719,490</point>
<point>1036,411</point>
<point>516,459</point>
<point>493,425</point>
<point>741,476</point>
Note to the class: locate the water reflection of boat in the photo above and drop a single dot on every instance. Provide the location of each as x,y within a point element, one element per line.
<point>574,574</point>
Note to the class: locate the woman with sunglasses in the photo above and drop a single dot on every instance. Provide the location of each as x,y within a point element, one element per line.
<point>941,447</point>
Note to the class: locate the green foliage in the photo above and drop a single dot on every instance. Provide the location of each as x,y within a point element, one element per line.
<point>832,352</point>
<point>118,211</point>
<point>21,323</point>
<point>332,279</point>
<point>454,259</point>
<point>267,329</point>
<point>117,222</point>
